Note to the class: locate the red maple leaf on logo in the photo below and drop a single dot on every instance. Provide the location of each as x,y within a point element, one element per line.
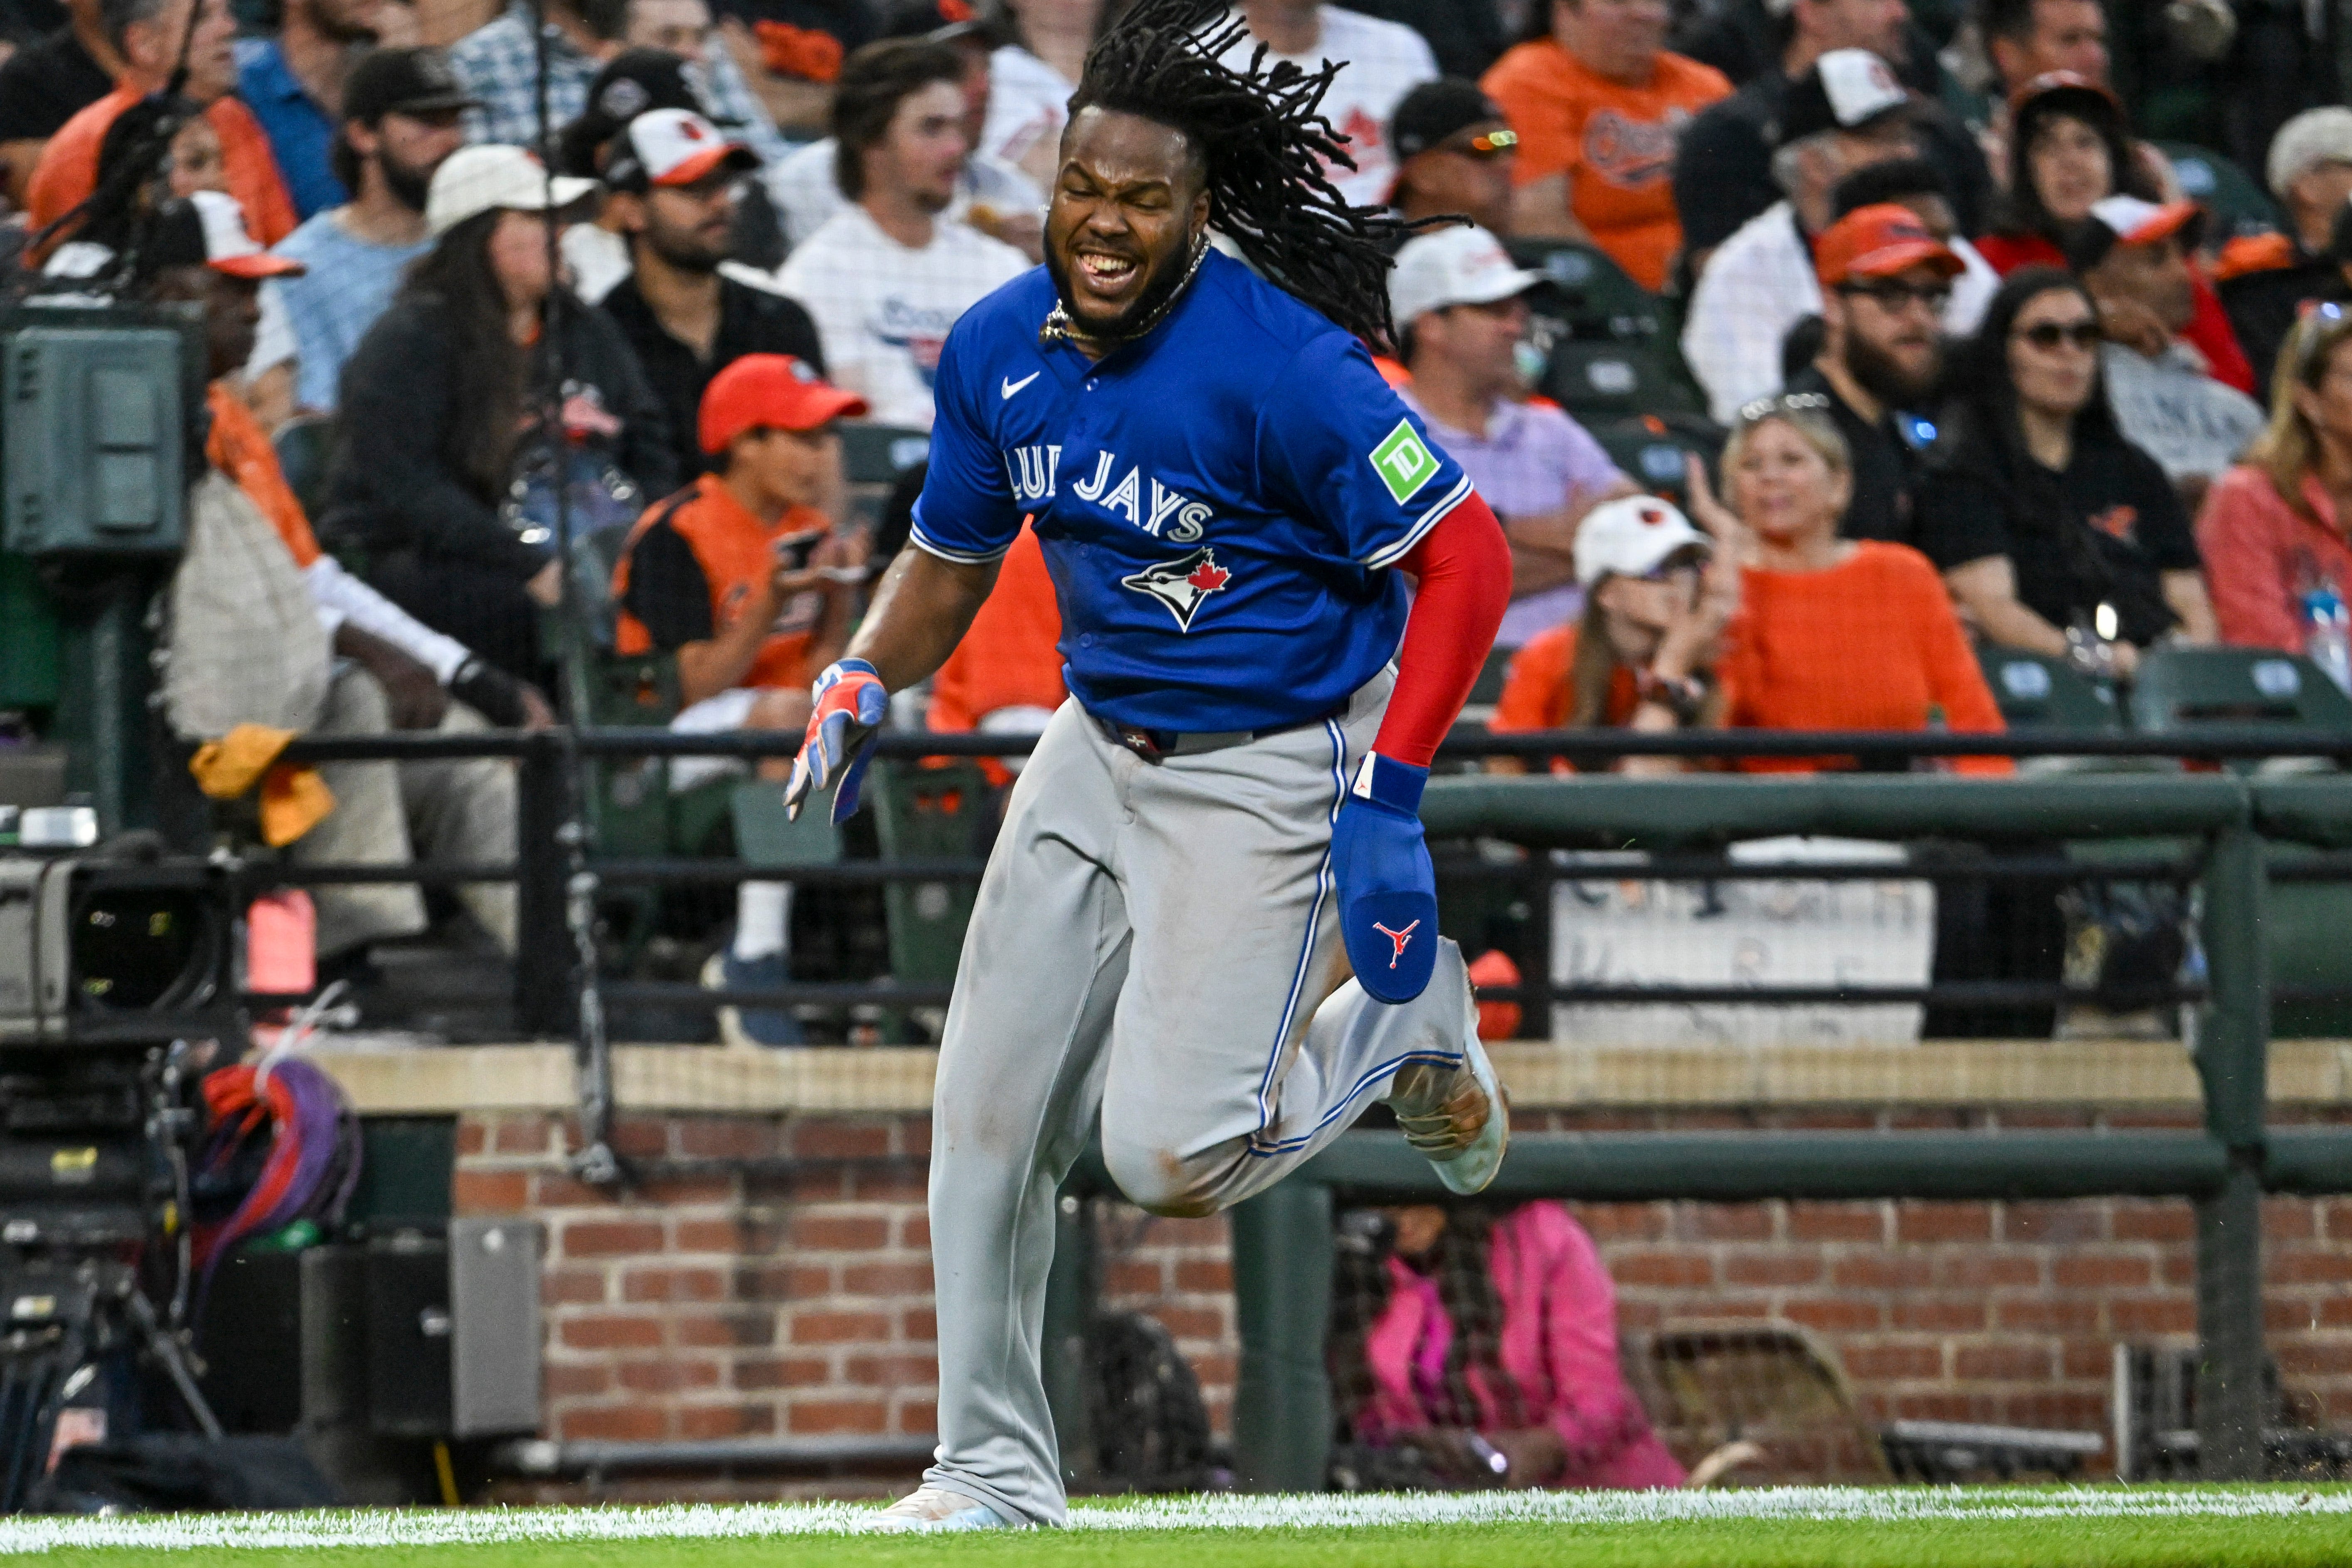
<point>1208,578</point>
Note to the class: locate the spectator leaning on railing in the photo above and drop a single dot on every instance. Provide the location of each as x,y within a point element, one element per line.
<point>2055,533</point>
<point>400,122</point>
<point>1461,307</point>
<point>674,181</point>
<point>1600,102</point>
<point>437,429</point>
<point>1832,634</point>
<point>888,276</point>
<point>742,577</point>
<point>2273,528</point>
<point>1642,656</point>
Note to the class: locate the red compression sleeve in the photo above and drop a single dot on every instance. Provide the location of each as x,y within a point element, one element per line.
<point>1465,567</point>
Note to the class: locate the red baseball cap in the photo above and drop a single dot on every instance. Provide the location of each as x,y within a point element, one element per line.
<point>775,392</point>
<point>1878,241</point>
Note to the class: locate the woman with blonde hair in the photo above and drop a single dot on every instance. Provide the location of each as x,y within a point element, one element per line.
<point>1832,634</point>
<point>2273,528</point>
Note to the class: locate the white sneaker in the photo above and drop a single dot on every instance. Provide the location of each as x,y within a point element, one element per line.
<point>927,1510</point>
<point>1432,1103</point>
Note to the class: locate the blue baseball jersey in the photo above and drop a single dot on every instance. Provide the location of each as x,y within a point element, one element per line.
<point>1219,502</point>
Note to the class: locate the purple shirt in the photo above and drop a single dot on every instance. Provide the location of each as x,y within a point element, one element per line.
<point>1533,458</point>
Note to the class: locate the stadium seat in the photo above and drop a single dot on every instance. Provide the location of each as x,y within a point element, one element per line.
<point>2238,204</point>
<point>2179,688</point>
<point>873,459</point>
<point>2035,691</point>
<point>926,814</point>
<point>304,444</point>
<point>1652,448</point>
<point>1605,380</point>
<point>1773,1384</point>
<point>1587,293</point>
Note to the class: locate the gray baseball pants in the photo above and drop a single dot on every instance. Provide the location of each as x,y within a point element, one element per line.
<point>1155,948</point>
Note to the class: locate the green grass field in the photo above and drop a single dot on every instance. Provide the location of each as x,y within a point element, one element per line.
<point>1828,1527</point>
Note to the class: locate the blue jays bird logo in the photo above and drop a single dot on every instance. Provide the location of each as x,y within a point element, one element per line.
<point>1181,584</point>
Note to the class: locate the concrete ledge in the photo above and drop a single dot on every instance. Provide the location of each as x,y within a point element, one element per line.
<point>430,1080</point>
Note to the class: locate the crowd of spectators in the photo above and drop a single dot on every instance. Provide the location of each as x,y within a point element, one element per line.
<point>1988,361</point>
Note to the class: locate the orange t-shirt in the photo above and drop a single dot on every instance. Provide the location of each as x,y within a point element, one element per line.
<point>1536,693</point>
<point>1869,644</point>
<point>1008,658</point>
<point>67,171</point>
<point>736,553</point>
<point>239,448</point>
<point>1615,144</point>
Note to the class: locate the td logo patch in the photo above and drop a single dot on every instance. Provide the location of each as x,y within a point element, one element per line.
<point>1180,584</point>
<point>1403,462</point>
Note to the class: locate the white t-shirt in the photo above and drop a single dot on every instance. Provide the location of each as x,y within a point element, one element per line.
<point>884,310</point>
<point>1384,62</point>
<point>1028,102</point>
<point>808,196</point>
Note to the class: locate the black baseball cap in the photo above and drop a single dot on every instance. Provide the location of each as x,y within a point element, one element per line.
<point>630,83</point>
<point>403,81</point>
<point>1845,89</point>
<point>1436,110</point>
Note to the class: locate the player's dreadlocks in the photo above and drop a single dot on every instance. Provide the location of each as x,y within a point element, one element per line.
<point>1264,143</point>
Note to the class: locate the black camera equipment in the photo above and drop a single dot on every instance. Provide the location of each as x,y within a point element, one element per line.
<point>117,977</point>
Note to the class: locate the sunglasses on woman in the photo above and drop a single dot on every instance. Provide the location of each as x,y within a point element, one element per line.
<point>2048,335</point>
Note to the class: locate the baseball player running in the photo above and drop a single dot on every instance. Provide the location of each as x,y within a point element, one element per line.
<point>1221,821</point>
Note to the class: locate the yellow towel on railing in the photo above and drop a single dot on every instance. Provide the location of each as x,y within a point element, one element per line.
<point>294,799</point>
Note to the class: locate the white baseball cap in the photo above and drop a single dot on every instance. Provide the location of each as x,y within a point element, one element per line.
<point>1633,536</point>
<point>475,180</point>
<point>672,147</point>
<point>1460,266</point>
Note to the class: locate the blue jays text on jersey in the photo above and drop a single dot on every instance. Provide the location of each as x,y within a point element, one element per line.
<point>1219,502</point>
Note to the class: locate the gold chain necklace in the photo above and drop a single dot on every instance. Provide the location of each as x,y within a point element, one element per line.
<point>1060,327</point>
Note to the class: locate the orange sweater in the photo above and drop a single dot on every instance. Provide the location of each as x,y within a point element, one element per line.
<point>1869,644</point>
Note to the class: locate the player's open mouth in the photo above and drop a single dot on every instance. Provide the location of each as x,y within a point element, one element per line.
<point>1106,276</point>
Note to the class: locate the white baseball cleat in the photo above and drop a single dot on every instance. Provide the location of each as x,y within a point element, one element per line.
<point>930,1510</point>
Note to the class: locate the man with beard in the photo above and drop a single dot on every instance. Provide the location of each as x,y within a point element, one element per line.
<point>401,110</point>
<point>1209,926</point>
<point>1885,279</point>
<point>294,85</point>
<point>675,182</point>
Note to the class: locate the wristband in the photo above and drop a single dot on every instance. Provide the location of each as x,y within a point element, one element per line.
<point>1683,696</point>
<point>489,692</point>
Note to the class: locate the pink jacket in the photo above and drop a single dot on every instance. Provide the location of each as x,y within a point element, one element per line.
<point>1559,1344</point>
<point>2260,558</point>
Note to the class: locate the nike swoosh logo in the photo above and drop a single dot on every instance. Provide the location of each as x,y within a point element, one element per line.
<point>1012,386</point>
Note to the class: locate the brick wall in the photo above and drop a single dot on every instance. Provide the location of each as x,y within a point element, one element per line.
<point>789,1294</point>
